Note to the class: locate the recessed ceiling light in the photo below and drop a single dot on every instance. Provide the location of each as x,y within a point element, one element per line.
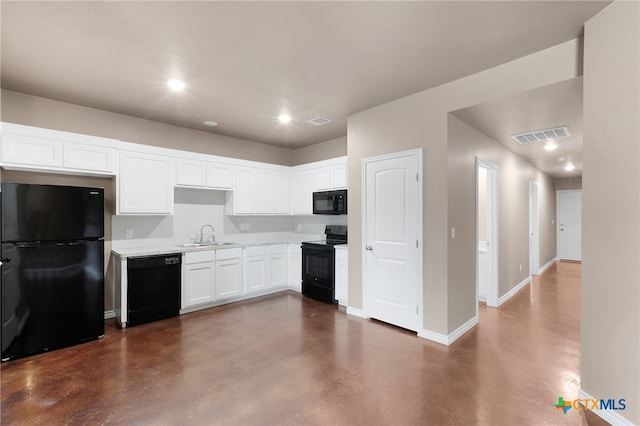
<point>550,146</point>
<point>569,167</point>
<point>284,118</point>
<point>210,123</point>
<point>176,84</point>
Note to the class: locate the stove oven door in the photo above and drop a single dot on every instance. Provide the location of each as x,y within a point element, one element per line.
<point>318,272</point>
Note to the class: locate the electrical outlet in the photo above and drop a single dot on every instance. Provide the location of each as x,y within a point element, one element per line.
<point>128,233</point>
<point>298,227</point>
<point>242,227</point>
<point>521,267</point>
<point>453,232</point>
<point>248,226</point>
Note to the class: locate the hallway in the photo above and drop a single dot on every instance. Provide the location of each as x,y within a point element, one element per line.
<point>285,359</point>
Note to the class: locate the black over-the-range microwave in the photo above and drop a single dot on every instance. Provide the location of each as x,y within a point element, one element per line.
<point>330,202</point>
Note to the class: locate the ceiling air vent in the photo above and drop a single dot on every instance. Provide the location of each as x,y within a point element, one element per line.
<point>542,135</point>
<point>318,121</point>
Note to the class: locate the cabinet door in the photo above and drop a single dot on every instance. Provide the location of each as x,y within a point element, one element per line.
<point>339,176</point>
<point>89,158</point>
<point>145,184</point>
<point>228,278</point>
<point>278,273</point>
<point>31,151</point>
<point>245,191</point>
<point>295,268</point>
<point>265,191</point>
<point>342,276</point>
<point>322,179</point>
<point>255,273</point>
<point>282,193</point>
<point>198,284</point>
<point>190,173</point>
<point>302,192</point>
<point>219,176</point>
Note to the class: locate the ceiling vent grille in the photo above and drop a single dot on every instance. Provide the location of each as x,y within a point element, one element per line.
<point>318,121</point>
<point>542,135</point>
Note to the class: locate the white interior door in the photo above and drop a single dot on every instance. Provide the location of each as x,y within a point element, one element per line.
<point>487,231</point>
<point>392,214</point>
<point>570,225</point>
<point>534,225</point>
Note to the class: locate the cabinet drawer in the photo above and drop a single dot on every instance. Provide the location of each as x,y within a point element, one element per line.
<point>199,256</point>
<point>232,253</point>
<point>255,250</point>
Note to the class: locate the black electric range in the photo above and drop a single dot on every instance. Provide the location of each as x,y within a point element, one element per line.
<point>318,264</point>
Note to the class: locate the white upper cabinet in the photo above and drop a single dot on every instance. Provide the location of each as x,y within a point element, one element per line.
<point>88,157</point>
<point>145,184</point>
<point>202,174</point>
<point>321,176</point>
<point>33,148</point>
<point>339,176</point>
<point>191,173</point>
<point>219,176</point>
<point>302,186</point>
<point>260,191</point>
<point>244,196</point>
<point>322,179</point>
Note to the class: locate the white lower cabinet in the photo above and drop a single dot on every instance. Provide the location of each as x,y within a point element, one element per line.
<point>278,261</point>
<point>198,278</point>
<point>342,275</point>
<point>255,268</point>
<point>295,267</point>
<point>228,273</point>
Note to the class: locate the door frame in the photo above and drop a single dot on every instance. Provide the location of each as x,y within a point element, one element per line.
<point>534,243</point>
<point>493,179</point>
<point>365,290</point>
<point>558,219</point>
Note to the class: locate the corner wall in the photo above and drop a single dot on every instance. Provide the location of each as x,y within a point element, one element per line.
<point>420,121</point>
<point>610,362</point>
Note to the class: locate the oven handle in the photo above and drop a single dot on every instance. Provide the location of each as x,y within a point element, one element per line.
<point>317,248</point>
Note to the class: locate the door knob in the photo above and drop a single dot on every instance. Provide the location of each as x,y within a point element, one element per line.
<point>369,248</point>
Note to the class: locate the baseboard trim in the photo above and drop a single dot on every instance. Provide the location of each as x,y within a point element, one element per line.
<point>109,314</point>
<point>607,415</point>
<point>452,337</point>
<point>357,312</point>
<point>508,295</point>
<point>547,266</point>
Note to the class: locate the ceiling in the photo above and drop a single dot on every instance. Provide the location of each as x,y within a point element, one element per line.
<point>552,106</point>
<point>244,63</point>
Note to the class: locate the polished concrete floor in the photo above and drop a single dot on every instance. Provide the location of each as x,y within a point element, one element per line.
<point>287,360</point>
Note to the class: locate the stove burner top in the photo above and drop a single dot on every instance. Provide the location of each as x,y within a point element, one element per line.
<point>331,242</point>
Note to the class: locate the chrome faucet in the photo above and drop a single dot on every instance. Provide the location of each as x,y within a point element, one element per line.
<point>213,236</point>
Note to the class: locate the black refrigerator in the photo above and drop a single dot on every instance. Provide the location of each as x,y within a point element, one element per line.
<point>52,287</point>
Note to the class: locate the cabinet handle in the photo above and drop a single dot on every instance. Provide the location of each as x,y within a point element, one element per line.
<point>369,248</point>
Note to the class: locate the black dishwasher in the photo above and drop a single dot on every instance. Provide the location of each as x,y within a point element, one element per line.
<point>153,288</point>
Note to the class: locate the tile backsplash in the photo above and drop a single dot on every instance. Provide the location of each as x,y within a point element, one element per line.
<point>197,207</point>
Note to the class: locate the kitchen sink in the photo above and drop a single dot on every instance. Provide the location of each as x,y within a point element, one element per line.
<point>214,244</point>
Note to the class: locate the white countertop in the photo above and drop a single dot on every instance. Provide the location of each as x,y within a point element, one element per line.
<point>168,248</point>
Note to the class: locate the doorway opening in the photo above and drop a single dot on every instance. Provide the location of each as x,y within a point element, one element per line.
<point>534,229</point>
<point>486,232</point>
<point>570,225</point>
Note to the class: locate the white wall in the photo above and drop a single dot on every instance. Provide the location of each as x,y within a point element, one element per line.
<point>610,334</point>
